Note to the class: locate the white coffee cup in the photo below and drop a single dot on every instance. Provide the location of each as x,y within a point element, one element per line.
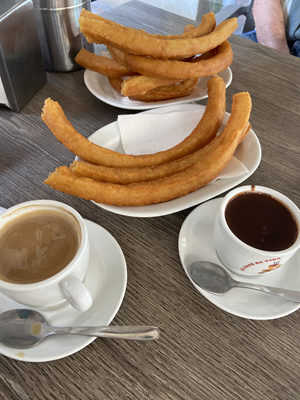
<point>238,256</point>
<point>66,285</point>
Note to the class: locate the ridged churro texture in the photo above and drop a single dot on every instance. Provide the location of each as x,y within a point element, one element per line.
<point>64,131</point>
<point>188,152</point>
<point>206,165</point>
<point>162,67</point>
<point>100,31</point>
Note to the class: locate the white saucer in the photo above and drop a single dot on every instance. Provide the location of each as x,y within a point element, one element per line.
<point>99,86</point>
<point>248,152</point>
<point>106,280</point>
<point>196,243</point>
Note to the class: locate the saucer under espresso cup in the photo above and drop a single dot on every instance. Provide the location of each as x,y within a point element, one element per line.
<point>256,230</point>
<point>44,248</point>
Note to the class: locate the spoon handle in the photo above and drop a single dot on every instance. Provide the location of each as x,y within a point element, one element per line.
<point>112,332</point>
<point>284,293</point>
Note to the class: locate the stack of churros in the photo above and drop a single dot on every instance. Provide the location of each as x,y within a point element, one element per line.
<point>150,67</point>
<point>106,176</point>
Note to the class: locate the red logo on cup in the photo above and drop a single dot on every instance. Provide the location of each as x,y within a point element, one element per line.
<point>275,264</point>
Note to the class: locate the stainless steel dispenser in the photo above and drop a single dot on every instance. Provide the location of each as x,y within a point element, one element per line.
<point>22,71</point>
<point>58,28</point>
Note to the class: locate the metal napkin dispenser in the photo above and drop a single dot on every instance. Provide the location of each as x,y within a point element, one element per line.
<point>22,71</point>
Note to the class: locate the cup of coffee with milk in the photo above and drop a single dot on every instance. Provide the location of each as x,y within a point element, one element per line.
<point>44,255</point>
<point>256,230</point>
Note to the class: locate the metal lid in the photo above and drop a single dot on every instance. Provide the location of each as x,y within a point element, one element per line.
<point>57,4</point>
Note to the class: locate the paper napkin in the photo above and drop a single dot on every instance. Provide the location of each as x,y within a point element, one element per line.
<point>150,133</point>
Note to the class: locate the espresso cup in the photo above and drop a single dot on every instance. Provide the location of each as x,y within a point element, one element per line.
<point>44,249</point>
<point>256,230</point>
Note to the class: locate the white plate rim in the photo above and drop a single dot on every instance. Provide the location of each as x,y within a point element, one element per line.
<point>109,136</point>
<point>116,266</point>
<point>287,307</point>
<point>99,86</point>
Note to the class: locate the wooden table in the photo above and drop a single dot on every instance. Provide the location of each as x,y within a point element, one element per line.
<point>203,352</point>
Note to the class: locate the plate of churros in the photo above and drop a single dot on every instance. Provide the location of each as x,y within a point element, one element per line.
<point>101,88</point>
<point>143,70</point>
<point>159,182</point>
<point>248,153</point>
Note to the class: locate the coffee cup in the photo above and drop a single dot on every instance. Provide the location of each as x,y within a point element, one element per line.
<point>44,249</point>
<point>256,230</point>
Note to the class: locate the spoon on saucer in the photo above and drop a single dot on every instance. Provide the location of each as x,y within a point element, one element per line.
<point>215,279</point>
<point>24,328</point>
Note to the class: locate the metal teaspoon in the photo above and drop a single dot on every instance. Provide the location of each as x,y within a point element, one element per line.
<point>24,328</point>
<point>215,279</point>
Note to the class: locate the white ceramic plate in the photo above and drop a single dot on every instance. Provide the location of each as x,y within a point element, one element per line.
<point>248,152</point>
<point>106,280</point>
<point>99,86</point>
<point>196,243</point>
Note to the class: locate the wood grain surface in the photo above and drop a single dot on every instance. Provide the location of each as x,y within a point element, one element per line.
<point>203,352</point>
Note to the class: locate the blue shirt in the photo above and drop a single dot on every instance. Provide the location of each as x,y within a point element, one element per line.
<point>293,22</point>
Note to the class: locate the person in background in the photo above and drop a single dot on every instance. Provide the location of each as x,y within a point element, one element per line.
<point>277,25</point>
